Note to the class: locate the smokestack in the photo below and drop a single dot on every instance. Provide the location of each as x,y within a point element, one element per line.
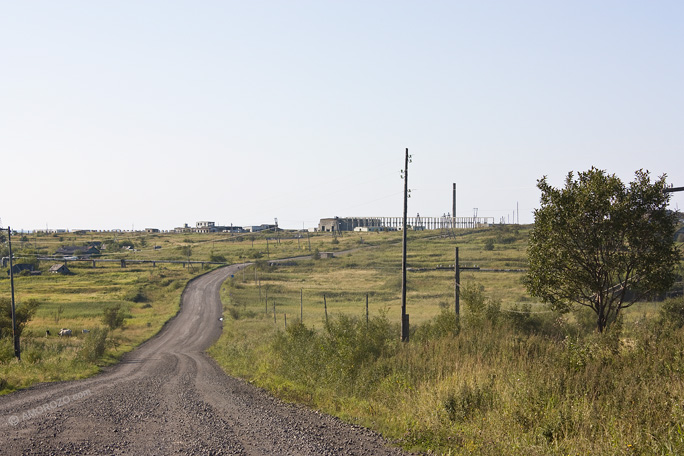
<point>453,208</point>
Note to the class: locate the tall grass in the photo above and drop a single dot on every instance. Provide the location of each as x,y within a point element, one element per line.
<point>489,384</point>
<point>507,376</point>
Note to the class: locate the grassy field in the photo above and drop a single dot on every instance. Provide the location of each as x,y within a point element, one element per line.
<point>373,268</point>
<point>148,297</point>
<point>148,294</point>
<point>508,377</point>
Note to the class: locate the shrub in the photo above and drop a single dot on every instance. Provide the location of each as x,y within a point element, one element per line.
<point>444,324</point>
<point>6,350</point>
<point>672,311</point>
<point>479,307</point>
<point>114,316</point>
<point>525,321</point>
<point>94,345</point>
<point>337,357</point>
<point>136,295</point>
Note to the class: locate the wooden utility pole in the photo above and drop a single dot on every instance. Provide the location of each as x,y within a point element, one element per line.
<point>404,315</point>
<point>15,333</point>
<point>453,208</point>
<point>457,285</point>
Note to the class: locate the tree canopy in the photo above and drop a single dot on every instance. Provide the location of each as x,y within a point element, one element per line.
<point>24,312</point>
<point>601,244</point>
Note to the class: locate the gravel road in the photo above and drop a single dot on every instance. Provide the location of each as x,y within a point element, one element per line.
<point>168,397</point>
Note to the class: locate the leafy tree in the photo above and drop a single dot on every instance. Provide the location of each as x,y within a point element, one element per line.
<point>601,244</point>
<point>24,312</point>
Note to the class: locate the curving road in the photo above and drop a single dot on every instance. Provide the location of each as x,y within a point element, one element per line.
<point>168,397</point>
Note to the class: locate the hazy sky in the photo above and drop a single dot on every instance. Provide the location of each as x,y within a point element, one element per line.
<point>158,113</point>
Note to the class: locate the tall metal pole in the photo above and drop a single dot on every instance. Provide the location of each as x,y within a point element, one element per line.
<point>404,315</point>
<point>15,333</point>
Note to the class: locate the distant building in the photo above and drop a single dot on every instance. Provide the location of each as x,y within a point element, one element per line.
<point>17,268</point>
<point>60,269</point>
<point>151,230</point>
<point>232,229</point>
<point>183,229</point>
<point>205,227</point>
<point>263,227</point>
<point>336,224</point>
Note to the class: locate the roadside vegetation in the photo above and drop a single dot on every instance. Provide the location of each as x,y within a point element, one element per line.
<point>510,376</point>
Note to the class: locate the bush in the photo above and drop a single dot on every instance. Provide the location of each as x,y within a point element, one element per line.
<point>339,356</point>
<point>6,350</point>
<point>94,345</point>
<point>136,295</point>
<point>479,307</point>
<point>525,321</point>
<point>444,324</point>
<point>114,316</point>
<point>672,312</point>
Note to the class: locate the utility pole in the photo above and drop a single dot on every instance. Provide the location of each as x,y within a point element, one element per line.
<point>457,285</point>
<point>453,209</point>
<point>404,315</point>
<point>15,333</point>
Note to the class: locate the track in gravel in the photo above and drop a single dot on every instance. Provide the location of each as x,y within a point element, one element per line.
<point>168,397</point>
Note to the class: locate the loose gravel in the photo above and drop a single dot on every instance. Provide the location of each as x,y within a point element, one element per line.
<point>168,398</point>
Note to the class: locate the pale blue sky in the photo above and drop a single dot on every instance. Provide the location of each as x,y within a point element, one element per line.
<point>158,113</point>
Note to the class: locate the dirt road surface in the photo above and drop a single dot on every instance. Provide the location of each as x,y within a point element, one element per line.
<point>168,397</point>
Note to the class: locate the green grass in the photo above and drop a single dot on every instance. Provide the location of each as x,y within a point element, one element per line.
<point>77,302</point>
<point>510,378</point>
